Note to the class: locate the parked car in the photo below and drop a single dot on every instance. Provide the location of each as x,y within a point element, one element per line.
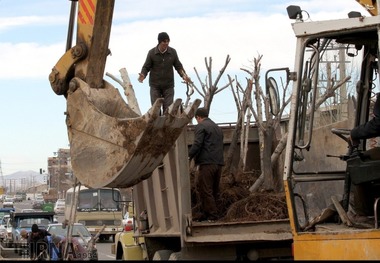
<point>8,202</point>
<point>38,203</point>
<point>78,230</point>
<point>59,207</point>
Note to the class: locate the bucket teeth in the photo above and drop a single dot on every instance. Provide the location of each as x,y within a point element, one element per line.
<point>154,111</point>
<point>174,107</point>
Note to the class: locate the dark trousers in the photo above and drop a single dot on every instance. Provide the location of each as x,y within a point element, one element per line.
<point>162,92</point>
<point>207,184</point>
<point>362,198</point>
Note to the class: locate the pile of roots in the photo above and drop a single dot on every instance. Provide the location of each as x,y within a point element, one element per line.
<point>237,203</point>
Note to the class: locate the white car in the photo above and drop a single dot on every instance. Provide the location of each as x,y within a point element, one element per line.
<point>3,227</point>
<point>8,202</point>
<point>59,207</point>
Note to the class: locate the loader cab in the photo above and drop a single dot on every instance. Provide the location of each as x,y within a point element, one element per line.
<point>335,80</point>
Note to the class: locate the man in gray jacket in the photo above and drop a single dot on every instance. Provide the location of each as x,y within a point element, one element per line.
<point>207,152</point>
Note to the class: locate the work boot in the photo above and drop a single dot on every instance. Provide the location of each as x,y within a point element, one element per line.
<point>365,221</point>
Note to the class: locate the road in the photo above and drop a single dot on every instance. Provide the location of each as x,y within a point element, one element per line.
<point>104,247</point>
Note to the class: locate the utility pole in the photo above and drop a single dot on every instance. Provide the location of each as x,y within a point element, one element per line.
<point>58,174</point>
<point>2,176</point>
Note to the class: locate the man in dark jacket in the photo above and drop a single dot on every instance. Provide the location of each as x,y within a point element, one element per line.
<point>207,152</point>
<point>160,62</point>
<point>369,129</point>
<point>38,242</point>
<point>363,195</point>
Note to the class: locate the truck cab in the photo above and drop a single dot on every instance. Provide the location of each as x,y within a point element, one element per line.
<point>23,221</point>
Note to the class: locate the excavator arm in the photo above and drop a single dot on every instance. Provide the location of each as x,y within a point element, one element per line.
<point>87,59</point>
<point>110,144</point>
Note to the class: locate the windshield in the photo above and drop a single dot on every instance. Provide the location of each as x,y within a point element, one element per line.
<point>28,222</point>
<point>99,200</point>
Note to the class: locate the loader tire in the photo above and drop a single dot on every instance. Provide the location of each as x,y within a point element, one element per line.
<point>162,254</point>
<point>176,256</point>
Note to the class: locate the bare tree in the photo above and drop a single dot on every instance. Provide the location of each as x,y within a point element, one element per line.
<point>209,88</point>
<point>272,142</point>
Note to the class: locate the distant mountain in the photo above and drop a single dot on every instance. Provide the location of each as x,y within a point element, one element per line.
<point>23,177</point>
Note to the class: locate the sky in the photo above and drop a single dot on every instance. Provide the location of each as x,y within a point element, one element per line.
<point>33,37</point>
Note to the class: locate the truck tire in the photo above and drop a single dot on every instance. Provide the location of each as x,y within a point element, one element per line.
<point>162,254</point>
<point>175,256</point>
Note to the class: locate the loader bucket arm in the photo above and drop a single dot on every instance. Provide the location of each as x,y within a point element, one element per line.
<point>110,144</point>
<point>87,59</point>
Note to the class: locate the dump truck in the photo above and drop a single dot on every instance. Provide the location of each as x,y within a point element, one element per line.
<point>322,166</point>
<point>164,227</point>
<point>111,145</point>
<point>50,196</point>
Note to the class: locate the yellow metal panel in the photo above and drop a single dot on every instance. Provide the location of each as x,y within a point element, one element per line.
<point>132,253</point>
<point>126,238</point>
<point>354,246</point>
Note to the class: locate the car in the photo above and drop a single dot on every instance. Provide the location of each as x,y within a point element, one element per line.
<point>59,207</point>
<point>78,231</point>
<point>38,203</point>
<point>4,217</point>
<point>5,211</point>
<point>3,227</point>
<point>18,198</point>
<point>8,202</point>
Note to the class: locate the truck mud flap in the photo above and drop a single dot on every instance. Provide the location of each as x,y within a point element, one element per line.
<point>110,144</point>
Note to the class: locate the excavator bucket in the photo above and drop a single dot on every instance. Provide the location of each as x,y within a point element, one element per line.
<point>111,145</point>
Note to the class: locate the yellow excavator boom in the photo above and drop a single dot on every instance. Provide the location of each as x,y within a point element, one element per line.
<point>369,5</point>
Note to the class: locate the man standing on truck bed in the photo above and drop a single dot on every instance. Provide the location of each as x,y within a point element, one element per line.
<point>207,151</point>
<point>160,62</point>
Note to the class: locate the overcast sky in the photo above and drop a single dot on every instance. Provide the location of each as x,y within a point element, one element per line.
<point>33,37</point>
